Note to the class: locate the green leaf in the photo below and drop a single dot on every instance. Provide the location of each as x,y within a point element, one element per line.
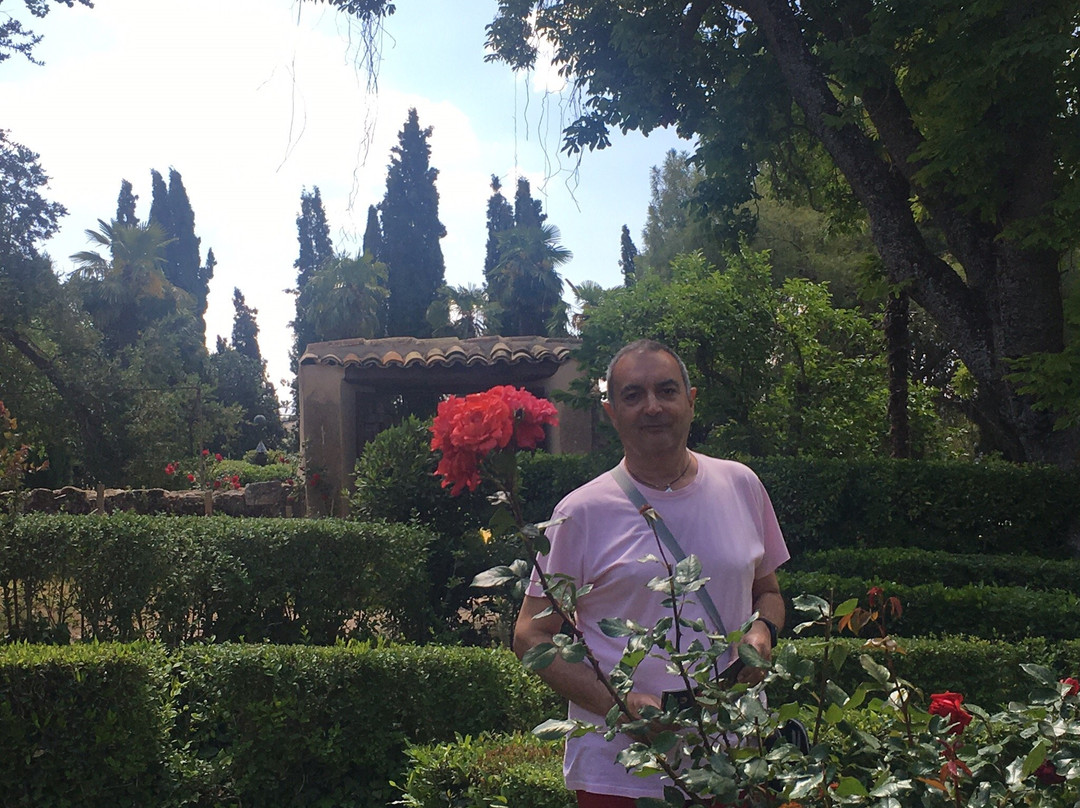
<point>878,672</point>
<point>496,576</point>
<point>555,729</point>
<point>850,787</point>
<point>573,653</point>
<point>539,656</point>
<point>846,608</point>
<point>614,627</point>
<point>1035,758</point>
<point>1041,674</point>
<point>812,605</point>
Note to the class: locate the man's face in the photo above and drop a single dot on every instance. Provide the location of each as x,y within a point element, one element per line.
<point>648,405</point>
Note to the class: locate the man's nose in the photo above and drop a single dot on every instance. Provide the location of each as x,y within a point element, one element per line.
<point>652,403</point>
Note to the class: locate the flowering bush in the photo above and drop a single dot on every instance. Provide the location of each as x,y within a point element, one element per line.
<point>204,475</point>
<point>15,462</point>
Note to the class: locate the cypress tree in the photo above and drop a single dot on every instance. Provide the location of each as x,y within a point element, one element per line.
<point>245,331</point>
<point>627,253</point>
<point>500,217</point>
<point>125,205</point>
<point>373,243</point>
<point>411,231</point>
<point>527,211</point>
<point>160,212</point>
<point>313,232</point>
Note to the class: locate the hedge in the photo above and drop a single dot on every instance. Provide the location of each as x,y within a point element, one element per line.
<point>128,577</point>
<point>241,725</point>
<point>258,725</point>
<point>993,612</point>
<point>513,770</point>
<point>905,565</point>
<point>821,504</point>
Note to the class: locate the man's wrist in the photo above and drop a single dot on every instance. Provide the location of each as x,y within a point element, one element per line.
<point>771,626</point>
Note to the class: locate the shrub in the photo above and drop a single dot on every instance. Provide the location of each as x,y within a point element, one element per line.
<point>910,565</point>
<point>83,726</point>
<point>992,612</point>
<point>514,770</point>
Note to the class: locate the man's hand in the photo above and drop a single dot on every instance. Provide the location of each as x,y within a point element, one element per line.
<point>759,637</point>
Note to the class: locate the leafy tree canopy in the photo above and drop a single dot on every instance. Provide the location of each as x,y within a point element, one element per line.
<point>960,118</point>
<point>16,38</point>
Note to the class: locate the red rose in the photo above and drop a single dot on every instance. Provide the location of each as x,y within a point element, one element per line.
<point>170,469</point>
<point>947,704</point>
<point>217,457</point>
<point>217,483</point>
<point>459,469</point>
<point>1074,685</point>
<point>314,479</point>
<point>205,452</point>
<point>530,415</point>
<point>1047,775</point>
<point>191,478</point>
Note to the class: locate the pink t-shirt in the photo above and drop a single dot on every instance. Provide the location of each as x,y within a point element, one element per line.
<point>724,517</point>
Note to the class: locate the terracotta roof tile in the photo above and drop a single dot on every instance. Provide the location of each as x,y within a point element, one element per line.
<point>439,352</point>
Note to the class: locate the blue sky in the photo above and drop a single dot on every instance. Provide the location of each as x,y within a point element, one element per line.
<point>253,100</point>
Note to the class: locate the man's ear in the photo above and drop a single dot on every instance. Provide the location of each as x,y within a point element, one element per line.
<point>693,396</point>
<point>607,409</point>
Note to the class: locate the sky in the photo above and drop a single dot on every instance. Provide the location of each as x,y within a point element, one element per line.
<point>253,101</point>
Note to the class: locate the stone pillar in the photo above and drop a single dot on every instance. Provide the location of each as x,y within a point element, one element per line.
<point>327,434</point>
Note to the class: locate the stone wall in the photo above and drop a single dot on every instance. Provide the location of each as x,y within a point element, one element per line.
<point>255,499</point>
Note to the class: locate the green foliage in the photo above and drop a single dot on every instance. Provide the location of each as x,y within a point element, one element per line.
<point>909,565</point>
<point>83,726</point>
<point>513,770</point>
<point>778,370</point>
<point>823,504</point>
<point>232,725</point>
<point>934,608</point>
<point>932,116</point>
<point>179,579</point>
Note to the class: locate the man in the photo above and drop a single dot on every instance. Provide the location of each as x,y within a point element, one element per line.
<point>717,510</point>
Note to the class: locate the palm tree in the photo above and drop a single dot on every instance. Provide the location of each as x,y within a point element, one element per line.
<point>587,296</point>
<point>525,283</point>
<point>346,298</point>
<point>127,290</point>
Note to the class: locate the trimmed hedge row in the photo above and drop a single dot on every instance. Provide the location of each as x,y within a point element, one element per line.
<point>906,565</point>
<point>127,577</point>
<point>241,725</point>
<point>259,725</point>
<point>993,612</point>
<point>961,508</point>
<point>821,504</point>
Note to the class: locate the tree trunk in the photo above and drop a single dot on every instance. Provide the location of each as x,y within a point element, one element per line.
<point>898,350</point>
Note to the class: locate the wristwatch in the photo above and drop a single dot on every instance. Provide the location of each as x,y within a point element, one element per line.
<point>771,626</point>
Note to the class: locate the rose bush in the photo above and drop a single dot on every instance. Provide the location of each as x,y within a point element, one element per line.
<point>874,747</point>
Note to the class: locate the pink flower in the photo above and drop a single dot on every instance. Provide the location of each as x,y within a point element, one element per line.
<point>947,704</point>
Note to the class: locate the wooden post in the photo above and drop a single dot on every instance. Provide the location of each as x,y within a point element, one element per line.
<point>101,498</point>
<point>208,502</point>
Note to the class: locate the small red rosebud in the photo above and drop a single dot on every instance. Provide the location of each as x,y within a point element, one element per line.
<point>191,478</point>
<point>217,483</point>
<point>217,457</point>
<point>947,704</point>
<point>170,469</point>
<point>1074,685</point>
<point>235,478</point>
<point>235,485</point>
<point>205,452</point>
<point>1047,775</point>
